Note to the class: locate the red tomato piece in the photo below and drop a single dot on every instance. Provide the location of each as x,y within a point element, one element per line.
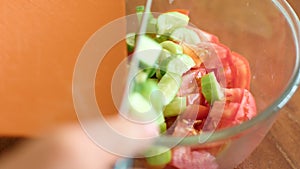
<point>195,112</point>
<point>242,73</point>
<point>218,59</point>
<point>190,80</point>
<point>185,158</point>
<point>209,37</point>
<point>240,106</point>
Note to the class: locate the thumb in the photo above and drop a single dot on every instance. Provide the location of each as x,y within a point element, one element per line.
<point>120,136</point>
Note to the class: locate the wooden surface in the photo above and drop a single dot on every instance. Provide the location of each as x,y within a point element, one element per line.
<point>281,147</point>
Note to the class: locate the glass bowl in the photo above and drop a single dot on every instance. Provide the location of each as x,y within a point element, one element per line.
<point>267,34</point>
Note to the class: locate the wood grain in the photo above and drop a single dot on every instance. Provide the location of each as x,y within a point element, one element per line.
<point>280,148</point>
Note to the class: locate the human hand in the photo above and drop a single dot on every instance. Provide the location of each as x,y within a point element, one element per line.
<point>70,147</point>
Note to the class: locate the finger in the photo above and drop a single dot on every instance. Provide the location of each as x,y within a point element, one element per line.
<point>73,148</point>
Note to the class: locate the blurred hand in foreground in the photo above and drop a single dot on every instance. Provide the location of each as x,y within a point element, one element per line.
<point>70,148</point>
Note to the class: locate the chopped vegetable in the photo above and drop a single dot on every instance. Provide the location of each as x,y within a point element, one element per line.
<point>211,88</point>
<point>186,35</point>
<point>130,41</point>
<point>158,155</point>
<point>192,82</point>
<point>149,51</point>
<point>176,107</point>
<point>178,64</point>
<point>172,47</point>
<point>168,22</point>
<point>169,84</point>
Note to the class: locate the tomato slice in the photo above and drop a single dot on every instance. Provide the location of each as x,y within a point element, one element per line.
<point>190,81</point>
<point>195,112</point>
<point>218,59</point>
<point>186,158</point>
<point>240,106</point>
<point>183,11</point>
<point>242,73</point>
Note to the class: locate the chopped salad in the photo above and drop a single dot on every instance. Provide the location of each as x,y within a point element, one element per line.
<point>192,80</point>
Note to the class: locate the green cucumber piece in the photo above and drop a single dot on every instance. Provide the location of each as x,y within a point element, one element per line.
<point>161,38</point>
<point>176,107</point>
<point>150,71</point>
<point>211,88</point>
<point>139,12</point>
<point>168,22</point>
<point>172,47</point>
<point>138,104</point>
<point>158,155</point>
<point>163,56</point>
<point>150,92</point>
<point>151,26</point>
<point>130,42</point>
<point>146,88</point>
<point>178,64</point>
<point>144,109</point>
<point>169,85</point>
<point>163,127</point>
<point>187,60</point>
<point>141,77</point>
<point>148,51</point>
<point>185,35</point>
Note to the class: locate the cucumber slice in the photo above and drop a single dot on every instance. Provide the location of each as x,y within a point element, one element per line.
<point>148,51</point>
<point>146,88</point>
<point>158,74</point>
<point>158,155</point>
<point>130,42</point>
<point>211,88</point>
<point>151,27</point>
<point>187,60</point>
<point>178,64</point>
<point>138,104</point>
<point>168,22</point>
<point>139,12</point>
<point>163,56</point>
<point>163,127</point>
<point>161,38</point>
<point>143,109</point>
<point>150,92</point>
<point>141,77</point>
<point>169,85</point>
<point>150,71</point>
<point>185,35</point>
<point>172,47</point>
<point>176,107</point>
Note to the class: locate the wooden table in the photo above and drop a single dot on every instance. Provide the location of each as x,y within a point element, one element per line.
<point>281,147</point>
